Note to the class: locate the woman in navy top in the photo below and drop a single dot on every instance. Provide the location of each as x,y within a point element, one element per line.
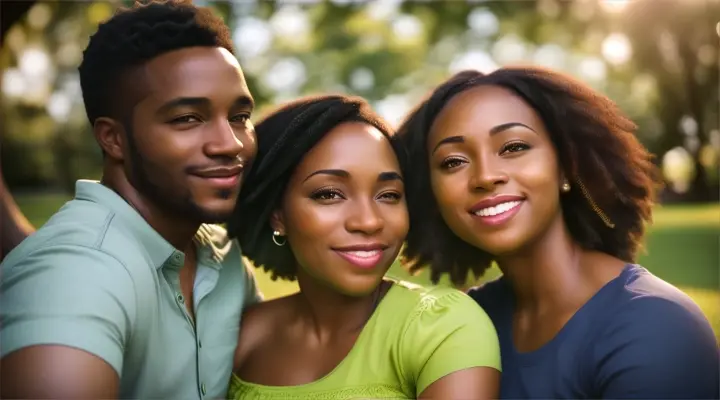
<point>539,173</point>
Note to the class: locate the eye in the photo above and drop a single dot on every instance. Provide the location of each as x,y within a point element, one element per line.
<point>514,147</point>
<point>185,119</point>
<point>390,196</point>
<point>451,162</point>
<point>327,194</point>
<point>241,118</point>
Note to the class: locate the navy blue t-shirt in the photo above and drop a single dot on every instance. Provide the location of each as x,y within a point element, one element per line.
<point>638,337</point>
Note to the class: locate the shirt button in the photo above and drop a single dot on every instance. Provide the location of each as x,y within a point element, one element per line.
<point>180,298</point>
<point>202,389</point>
<point>200,343</point>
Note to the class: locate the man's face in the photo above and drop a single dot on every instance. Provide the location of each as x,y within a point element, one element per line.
<point>190,138</point>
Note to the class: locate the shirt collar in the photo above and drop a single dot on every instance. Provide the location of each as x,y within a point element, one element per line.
<point>212,241</point>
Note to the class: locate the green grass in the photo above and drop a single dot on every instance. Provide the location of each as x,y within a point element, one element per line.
<point>682,247</point>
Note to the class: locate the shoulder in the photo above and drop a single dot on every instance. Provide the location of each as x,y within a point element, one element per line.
<point>260,323</point>
<point>78,223</point>
<point>436,309</point>
<point>653,331</point>
<point>644,297</point>
<point>445,332</point>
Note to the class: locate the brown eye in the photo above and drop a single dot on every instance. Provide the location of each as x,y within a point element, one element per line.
<point>391,196</point>
<point>514,147</point>
<point>326,194</point>
<point>185,119</point>
<point>451,162</point>
<point>241,118</point>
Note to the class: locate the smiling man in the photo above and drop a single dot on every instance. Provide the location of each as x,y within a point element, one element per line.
<point>128,291</point>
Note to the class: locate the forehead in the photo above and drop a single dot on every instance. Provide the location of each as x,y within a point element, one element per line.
<point>481,108</point>
<point>351,145</point>
<point>209,72</point>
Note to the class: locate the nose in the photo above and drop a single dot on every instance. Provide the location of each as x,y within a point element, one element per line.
<point>226,141</point>
<point>364,218</point>
<point>487,173</point>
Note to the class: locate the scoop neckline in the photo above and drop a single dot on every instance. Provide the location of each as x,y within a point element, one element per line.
<point>362,337</point>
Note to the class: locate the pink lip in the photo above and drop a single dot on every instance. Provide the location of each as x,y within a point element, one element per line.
<point>495,200</point>
<point>501,218</point>
<point>225,182</point>
<point>362,256</point>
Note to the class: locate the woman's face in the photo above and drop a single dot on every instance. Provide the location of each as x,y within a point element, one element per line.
<point>344,211</point>
<point>494,171</point>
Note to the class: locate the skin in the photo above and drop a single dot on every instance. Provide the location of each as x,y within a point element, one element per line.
<point>188,110</point>
<point>488,142</point>
<point>301,338</point>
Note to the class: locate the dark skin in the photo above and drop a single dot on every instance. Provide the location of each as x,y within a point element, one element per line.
<point>488,142</point>
<point>190,123</point>
<point>335,199</point>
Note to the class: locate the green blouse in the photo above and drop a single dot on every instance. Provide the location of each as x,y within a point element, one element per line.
<point>416,336</point>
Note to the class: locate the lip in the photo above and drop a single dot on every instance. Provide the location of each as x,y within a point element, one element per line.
<point>495,200</point>
<point>502,217</point>
<point>365,256</point>
<point>225,177</point>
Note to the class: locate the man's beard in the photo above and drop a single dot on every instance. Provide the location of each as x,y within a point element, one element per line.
<point>153,182</point>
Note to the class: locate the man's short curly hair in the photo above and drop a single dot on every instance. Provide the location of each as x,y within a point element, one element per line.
<point>284,138</point>
<point>136,35</point>
<point>597,150</point>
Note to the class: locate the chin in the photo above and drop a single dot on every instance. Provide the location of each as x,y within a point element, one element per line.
<point>497,244</point>
<point>359,286</point>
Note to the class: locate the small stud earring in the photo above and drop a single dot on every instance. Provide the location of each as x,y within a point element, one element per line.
<point>275,236</point>
<point>565,187</point>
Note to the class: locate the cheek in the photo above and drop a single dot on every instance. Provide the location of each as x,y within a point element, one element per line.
<point>309,228</point>
<point>539,174</point>
<point>449,191</point>
<point>397,220</point>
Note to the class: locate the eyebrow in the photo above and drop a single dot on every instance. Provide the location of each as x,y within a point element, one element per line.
<point>201,101</point>
<point>245,101</point>
<point>382,177</point>
<point>389,176</point>
<point>493,131</point>
<point>448,140</point>
<point>334,172</point>
<point>183,102</point>
<point>504,127</point>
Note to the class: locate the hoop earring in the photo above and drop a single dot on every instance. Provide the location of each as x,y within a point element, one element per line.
<point>275,236</point>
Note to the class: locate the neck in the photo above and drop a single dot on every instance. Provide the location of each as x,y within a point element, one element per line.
<point>546,273</point>
<point>177,230</point>
<point>329,313</point>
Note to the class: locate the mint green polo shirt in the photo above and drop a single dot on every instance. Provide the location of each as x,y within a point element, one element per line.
<point>97,277</point>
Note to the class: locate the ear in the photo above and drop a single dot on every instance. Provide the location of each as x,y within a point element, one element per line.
<point>277,222</point>
<point>110,135</point>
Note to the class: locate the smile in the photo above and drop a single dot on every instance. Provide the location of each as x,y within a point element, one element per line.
<point>222,177</point>
<point>365,257</point>
<point>498,209</point>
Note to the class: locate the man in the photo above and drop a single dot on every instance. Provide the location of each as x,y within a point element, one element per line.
<point>127,291</point>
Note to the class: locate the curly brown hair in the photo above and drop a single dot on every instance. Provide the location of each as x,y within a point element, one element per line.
<point>615,179</point>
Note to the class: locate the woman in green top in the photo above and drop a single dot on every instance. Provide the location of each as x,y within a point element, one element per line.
<point>325,205</point>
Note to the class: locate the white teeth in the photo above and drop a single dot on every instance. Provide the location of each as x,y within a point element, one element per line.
<point>363,254</point>
<point>498,209</point>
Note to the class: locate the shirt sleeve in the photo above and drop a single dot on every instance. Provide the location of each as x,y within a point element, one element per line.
<point>252,294</point>
<point>656,348</point>
<point>448,333</point>
<point>71,296</point>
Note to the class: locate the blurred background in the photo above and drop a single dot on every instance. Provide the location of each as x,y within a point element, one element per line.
<point>658,59</point>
